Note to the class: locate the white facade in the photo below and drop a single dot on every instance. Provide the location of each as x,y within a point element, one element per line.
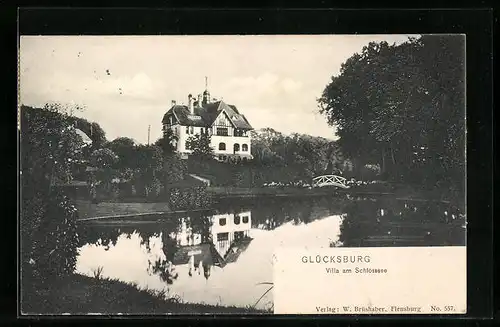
<point>221,144</point>
<point>226,139</point>
<point>225,229</point>
<point>228,227</point>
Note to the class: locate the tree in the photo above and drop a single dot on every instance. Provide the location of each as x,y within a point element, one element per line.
<point>50,148</point>
<point>200,146</point>
<point>92,129</point>
<point>149,165</point>
<point>167,142</point>
<point>174,169</point>
<point>124,148</point>
<point>104,160</point>
<point>391,100</point>
<point>298,155</point>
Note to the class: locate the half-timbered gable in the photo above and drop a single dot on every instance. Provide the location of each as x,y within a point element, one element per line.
<point>228,128</point>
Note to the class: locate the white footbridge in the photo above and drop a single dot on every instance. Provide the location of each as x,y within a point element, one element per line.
<point>329,180</point>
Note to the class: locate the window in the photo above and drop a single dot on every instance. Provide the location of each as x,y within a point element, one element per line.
<point>221,158</point>
<point>192,130</point>
<point>238,132</point>
<point>222,146</point>
<point>236,220</point>
<point>239,235</point>
<point>236,147</point>
<point>187,129</point>
<point>222,221</point>
<point>244,147</point>
<point>245,219</point>
<point>222,131</point>
<point>222,236</point>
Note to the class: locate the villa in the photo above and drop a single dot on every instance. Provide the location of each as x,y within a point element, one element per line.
<point>229,237</point>
<point>228,129</point>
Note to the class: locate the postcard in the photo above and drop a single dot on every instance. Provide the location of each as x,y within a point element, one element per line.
<point>231,174</point>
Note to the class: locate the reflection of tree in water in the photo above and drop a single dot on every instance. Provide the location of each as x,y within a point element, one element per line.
<point>99,235</point>
<point>161,266</point>
<point>270,213</point>
<point>401,223</point>
<point>201,223</point>
<point>164,269</point>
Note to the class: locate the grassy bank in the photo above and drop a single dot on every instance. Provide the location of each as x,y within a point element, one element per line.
<point>86,209</point>
<point>79,294</point>
<point>267,191</point>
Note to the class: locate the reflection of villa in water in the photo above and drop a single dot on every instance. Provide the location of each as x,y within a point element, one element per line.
<point>228,237</point>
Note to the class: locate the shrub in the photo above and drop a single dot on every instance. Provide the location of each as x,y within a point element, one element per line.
<point>185,198</point>
<point>48,234</point>
<point>370,172</point>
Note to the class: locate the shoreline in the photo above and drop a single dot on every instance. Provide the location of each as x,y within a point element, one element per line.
<point>118,210</point>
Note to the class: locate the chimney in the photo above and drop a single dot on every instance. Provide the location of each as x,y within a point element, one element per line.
<point>190,104</point>
<point>199,100</point>
<point>173,103</point>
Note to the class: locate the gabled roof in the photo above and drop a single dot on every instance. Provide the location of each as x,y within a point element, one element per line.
<point>205,116</point>
<point>205,253</point>
<point>235,250</point>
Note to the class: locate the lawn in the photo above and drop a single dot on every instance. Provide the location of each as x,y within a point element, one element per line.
<point>79,294</point>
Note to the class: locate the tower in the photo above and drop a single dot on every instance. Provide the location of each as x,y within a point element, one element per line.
<point>206,94</point>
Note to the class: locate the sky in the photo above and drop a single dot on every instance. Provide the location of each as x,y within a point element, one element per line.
<point>127,83</point>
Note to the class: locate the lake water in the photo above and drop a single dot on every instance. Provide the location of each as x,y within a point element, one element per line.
<point>220,256</point>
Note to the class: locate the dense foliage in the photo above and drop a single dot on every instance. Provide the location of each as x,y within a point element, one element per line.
<point>141,166</point>
<point>200,146</point>
<point>403,107</point>
<point>277,158</point>
<point>50,151</point>
<point>189,198</point>
<point>390,222</point>
<point>303,155</point>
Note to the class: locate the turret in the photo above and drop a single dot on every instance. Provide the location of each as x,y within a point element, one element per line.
<point>206,97</point>
<point>190,104</point>
<point>206,94</point>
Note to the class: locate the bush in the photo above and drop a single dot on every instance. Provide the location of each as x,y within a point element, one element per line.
<point>48,234</point>
<point>186,198</point>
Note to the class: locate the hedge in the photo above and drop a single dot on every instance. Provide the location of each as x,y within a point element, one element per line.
<point>189,198</point>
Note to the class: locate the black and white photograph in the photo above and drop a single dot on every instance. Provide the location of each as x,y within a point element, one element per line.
<point>159,174</point>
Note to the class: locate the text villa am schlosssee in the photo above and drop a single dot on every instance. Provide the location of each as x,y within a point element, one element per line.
<point>343,259</point>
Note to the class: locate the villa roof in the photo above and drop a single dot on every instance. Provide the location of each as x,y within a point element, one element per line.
<point>201,252</point>
<point>236,249</point>
<point>207,253</point>
<point>205,116</point>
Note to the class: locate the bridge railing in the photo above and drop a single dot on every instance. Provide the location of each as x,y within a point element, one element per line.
<point>330,180</point>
